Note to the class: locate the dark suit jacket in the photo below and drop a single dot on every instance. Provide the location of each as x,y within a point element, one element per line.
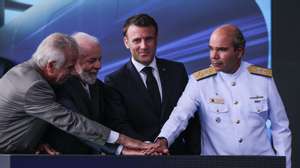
<point>73,96</point>
<point>138,119</point>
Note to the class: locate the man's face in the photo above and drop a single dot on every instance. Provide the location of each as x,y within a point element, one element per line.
<point>88,65</point>
<point>223,56</point>
<point>142,43</point>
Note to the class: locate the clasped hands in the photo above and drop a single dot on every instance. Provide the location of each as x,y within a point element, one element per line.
<point>136,147</point>
<point>130,147</point>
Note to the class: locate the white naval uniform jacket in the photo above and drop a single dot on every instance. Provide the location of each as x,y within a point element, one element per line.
<point>233,110</point>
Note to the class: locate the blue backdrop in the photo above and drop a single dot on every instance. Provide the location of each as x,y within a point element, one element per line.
<point>184,28</point>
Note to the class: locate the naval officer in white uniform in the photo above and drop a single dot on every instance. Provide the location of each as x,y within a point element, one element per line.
<point>234,100</point>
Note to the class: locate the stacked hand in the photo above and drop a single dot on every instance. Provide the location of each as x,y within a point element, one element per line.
<point>133,147</point>
<point>136,147</point>
<point>160,148</point>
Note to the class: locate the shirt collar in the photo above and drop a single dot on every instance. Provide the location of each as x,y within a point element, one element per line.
<point>139,67</point>
<point>235,74</point>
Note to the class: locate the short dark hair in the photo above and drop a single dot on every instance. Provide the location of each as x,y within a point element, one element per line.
<point>238,39</point>
<point>141,20</point>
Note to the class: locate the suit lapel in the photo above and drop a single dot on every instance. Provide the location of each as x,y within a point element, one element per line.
<point>96,101</point>
<point>165,84</point>
<point>81,97</point>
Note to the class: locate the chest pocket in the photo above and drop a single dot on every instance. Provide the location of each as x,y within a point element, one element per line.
<point>259,105</point>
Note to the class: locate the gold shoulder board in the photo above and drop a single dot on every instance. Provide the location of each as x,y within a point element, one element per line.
<point>204,73</point>
<point>260,71</point>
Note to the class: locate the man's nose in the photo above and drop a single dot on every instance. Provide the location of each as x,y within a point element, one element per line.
<point>214,54</point>
<point>144,44</point>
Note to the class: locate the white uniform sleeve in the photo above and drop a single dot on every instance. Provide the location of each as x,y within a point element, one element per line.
<point>281,133</point>
<point>184,110</point>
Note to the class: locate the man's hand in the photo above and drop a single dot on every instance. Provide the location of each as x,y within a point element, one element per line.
<point>46,149</point>
<point>161,147</point>
<point>128,151</point>
<point>134,144</point>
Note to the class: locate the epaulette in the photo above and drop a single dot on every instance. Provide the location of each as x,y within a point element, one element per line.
<point>260,71</point>
<point>204,73</point>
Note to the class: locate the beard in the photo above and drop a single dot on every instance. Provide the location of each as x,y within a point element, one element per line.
<point>88,77</point>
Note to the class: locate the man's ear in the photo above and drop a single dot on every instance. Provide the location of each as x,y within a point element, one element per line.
<point>241,52</point>
<point>50,67</point>
<point>125,40</point>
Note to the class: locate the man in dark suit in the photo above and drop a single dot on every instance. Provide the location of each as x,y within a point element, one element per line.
<point>149,88</point>
<point>87,95</point>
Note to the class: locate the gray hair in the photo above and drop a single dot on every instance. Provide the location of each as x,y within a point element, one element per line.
<point>53,48</point>
<point>81,36</point>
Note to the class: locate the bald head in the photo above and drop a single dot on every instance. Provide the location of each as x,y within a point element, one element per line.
<point>89,61</point>
<point>232,32</point>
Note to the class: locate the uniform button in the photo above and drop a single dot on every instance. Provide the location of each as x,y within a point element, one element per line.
<point>218,119</point>
<point>240,140</point>
<point>236,102</point>
<point>233,83</point>
<point>258,110</point>
<point>237,121</point>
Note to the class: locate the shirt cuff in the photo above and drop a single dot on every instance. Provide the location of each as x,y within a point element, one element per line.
<point>119,150</point>
<point>113,137</point>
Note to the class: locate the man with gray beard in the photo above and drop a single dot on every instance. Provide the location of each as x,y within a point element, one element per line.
<point>88,96</point>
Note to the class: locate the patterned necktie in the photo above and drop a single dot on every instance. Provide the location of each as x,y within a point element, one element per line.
<point>152,88</point>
